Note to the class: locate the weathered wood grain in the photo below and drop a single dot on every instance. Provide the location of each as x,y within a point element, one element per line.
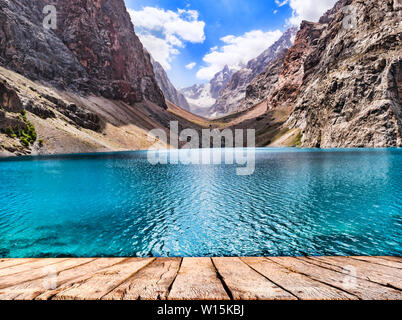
<point>246,284</point>
<point>7,263</point>
<point>380,261</point>
<point>104,281</point>
<point>46,287</point>
<point>39,272</point>
<point>151,283</point>
<point>397,259</point>
<point>377,278</point>
<point>365,270</point>
<point>27,286</point>
<point>197,279</point>
<point>363,289</point>
<point>39,263</point>
<point>299,285</point>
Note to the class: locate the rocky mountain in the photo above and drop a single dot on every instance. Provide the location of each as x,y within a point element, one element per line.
<point>202,96</point>
<point>93,49</point>
<point>168,89</point>
<point>235,91</point>
<point>87,85</point>
<point>351,89</point>
<point>279,85</point>
<point>339,85</point>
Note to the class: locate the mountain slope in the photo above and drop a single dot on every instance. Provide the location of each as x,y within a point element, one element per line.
<point>351,91</point>
<point>168,89</point>
<point>336,87</point>
<point>235,91</point>
<point>93,49</point>
<point>87,86</point>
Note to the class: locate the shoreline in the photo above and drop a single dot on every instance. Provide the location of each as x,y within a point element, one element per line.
<point>104,153</point>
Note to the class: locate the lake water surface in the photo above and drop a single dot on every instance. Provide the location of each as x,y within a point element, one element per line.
<point>298,202</point>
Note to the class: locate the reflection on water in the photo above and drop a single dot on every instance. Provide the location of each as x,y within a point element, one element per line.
<point>332,202</point>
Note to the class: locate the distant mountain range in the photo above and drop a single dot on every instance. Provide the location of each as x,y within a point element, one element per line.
<point>203,96</point>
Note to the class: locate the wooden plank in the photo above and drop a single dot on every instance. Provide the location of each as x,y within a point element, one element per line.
<point>363,289</point>
<point>32,284</point>
<point>246,284</point>
<point>104,281</point>
<point>7,263</point>
<point>46,288</point>
<point>396,259</point>
<point>365,270</point>
<point>40,263</point>
<point>38,272</point>
<point>197,280</point>
<point>151,283</point>
<point>299,285</point>
<point>380,261</point>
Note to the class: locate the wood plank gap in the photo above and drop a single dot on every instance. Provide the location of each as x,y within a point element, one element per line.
<point>171,285</point>
<point>128,278</point>
<point>316,279</point>
<point>18,264</point>
<point>277,284</point>
<point>225,286</point>
<point>40,277</point>
<point>34,267</point>
<point>374,262</point>
<point>392,258</point>
<point>309,260</point>
<point>50,297</point>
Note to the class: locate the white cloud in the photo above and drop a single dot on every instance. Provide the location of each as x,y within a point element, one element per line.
<point>164,32</point>
<point>310,10</point>
<point>191,66</point>
<point>237,51</point>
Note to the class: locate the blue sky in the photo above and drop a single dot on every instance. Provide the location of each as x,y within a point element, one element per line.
<point>206,34</point>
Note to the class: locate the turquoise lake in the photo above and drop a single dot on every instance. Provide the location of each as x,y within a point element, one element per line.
<point>297,202</point>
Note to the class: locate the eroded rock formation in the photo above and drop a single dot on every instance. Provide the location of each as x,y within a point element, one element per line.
<point>350,95</point>
<point>94,48</point>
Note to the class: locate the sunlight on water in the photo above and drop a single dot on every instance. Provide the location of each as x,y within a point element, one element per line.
<point>332,202</point>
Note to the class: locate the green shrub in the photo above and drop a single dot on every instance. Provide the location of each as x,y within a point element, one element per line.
<point>298,140</point>
<point>10,132</point>
<point>26,134</point>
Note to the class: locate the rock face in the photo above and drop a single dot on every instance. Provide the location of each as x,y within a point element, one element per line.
<point>290,79</point>
<point>351,90</point>
<point>220,81</point>
<point>168,89</point>
<point>93,50</point>
<point>235,91</point>
<point>263,85</point>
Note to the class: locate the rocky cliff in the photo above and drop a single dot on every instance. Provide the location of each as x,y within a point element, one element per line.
<point>351,90</point>
<point>88,85</point>
<point>234,92</point>
<point>168,89</point>
<point>93,49</point>
<point>285,90</point>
